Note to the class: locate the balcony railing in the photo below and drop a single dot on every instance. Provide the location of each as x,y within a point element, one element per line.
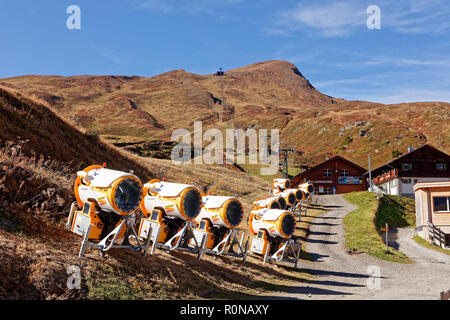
<point>388,176</point>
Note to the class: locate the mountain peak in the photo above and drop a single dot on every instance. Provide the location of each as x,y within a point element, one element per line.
<point>270,65</point>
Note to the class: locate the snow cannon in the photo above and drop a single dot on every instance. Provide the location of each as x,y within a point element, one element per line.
<point>282,202</point>
<point>271,203</point>
<point>108,200</point>
<point>299,194</point>
<point>289,197</point>
<point>276,222</point>
<point>175,200</point>
<point>216,226</point>
<point>274,230</point>
<point>224,212</point>
<point>281,184</point>
<point>112,191</point>
<point>307,187</point>
<point>169,210</point>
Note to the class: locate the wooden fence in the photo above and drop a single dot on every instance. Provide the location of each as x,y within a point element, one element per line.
<point>437,235</point>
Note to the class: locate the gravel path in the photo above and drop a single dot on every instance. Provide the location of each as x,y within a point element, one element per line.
<point>340,275</point>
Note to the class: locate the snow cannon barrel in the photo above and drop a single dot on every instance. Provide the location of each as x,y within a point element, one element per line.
<point>276,222</point>
<point>307,187</point>
<point>282,201</point>
<point>113,191</point>
<point>289,197</point>
<point>299,194</point>
<point>281,184</point>
<point>221,211</point>
<point>175,199</point>
<point>271,203</point>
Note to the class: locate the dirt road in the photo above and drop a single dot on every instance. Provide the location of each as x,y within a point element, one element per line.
<point>340,275</point>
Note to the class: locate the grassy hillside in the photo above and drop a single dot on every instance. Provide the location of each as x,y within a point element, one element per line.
<point>271,94</point>
<point>397,212</point>
<point>38,132</point>
<point>35,195</point>
<point>362,233</point>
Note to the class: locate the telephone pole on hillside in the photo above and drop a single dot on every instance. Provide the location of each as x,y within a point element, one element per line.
<point>220,74</point>
<point>284,167</point>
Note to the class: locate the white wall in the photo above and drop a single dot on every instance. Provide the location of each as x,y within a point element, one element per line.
<point>398,188</point>
<point>390,187</point>
<point>408,188</point>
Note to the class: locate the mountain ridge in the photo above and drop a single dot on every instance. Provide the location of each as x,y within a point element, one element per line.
<point>269,94</point>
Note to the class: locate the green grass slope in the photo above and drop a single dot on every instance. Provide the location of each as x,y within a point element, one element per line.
<point>362,226</point>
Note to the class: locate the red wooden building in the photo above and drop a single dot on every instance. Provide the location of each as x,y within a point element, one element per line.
<point>334,176</point>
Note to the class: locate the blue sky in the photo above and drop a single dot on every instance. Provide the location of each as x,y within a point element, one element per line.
<point>407,60</point>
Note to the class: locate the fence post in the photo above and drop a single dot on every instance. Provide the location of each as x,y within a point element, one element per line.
<point>431,229</point>
<point>387,238</point>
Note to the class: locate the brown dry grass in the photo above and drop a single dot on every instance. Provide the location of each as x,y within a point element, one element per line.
<point>36,250</point>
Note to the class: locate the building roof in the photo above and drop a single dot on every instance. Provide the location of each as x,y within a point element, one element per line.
<point>326,161</point>
<point>404,155</point>
<point>432,184</point>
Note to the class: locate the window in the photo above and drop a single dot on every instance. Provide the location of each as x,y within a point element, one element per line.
<point>406,181</point>
<point>406,166</point>
<point>325,190</point>
<point>327,172</point>
<point>328,190</point>
<point>344,172</point>
<point>441,166</point>
<point>441,204</point>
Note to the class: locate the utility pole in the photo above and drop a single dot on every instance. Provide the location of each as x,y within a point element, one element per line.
<point>370,176</point>
<point>220,74</point>
<point>284,168</point>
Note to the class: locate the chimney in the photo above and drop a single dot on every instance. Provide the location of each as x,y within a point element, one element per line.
<point>410,149</point>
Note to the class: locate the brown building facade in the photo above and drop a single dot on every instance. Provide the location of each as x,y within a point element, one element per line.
<point>398,176</point>
<point>334,176</point>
